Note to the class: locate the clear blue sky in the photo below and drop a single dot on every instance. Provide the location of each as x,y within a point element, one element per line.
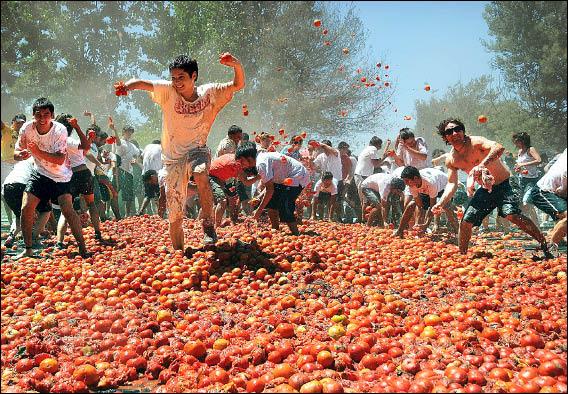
<point>435,42</point>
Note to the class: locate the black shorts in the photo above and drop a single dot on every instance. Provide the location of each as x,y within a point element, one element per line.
<point>372,197</point>
<point>13,194</point>
<point>105,192</point>
<point>426,199</point>
<point>242,192</point>
<point>548,202</point>
<point>46,188</point>
<point>324,197</point>
<point>151,190</point>
<point>341,190</point>
<point>483,203</point>
<point>126,185</point>
<point>284,201</point>
<point>82,183</point>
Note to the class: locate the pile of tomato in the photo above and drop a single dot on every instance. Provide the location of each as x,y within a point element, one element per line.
<point>339,308</point>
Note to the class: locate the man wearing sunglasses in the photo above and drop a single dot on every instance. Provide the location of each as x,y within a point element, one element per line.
<point>473,154</point>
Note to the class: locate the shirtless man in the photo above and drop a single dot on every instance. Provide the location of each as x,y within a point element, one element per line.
<point>472,153</point>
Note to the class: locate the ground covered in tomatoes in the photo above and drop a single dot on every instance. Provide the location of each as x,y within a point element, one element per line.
<point>340,308</point>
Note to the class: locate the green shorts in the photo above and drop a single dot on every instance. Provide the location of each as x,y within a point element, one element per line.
<point>483,203</point>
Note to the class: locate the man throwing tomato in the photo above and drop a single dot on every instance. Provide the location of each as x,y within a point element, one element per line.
<point>476,155</point>
<point>188,112</point>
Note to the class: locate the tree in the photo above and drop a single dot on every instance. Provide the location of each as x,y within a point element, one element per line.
<point>530,41</point>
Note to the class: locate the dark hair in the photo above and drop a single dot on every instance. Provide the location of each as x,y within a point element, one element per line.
<point>246,150</point>
<point>522,137</point>
<point>245,137</point>
<point>326,142</point>
<point>405,133</point>
<point>95,128</point>
<point>327,175</point>
<point>410,172</point>
<point>103,135</point>
<point>185,63</point>
<point>157,142</point>
<point>43,103</point>
<point>234,129</point>
<point>19,117</point>
<point>376,141</point>
<point>343,145</point>
<point>148,174</point>
<point>438,153</point>
<point>128,128</point>
<point>445,122</point>
<point>397,183</point>
<point>64,120</point>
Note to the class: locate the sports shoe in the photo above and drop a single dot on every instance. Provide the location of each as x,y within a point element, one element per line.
<point>60,246</point>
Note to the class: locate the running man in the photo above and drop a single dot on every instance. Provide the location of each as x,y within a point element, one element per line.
<point>188,112</point>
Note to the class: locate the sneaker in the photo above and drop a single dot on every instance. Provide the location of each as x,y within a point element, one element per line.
<point>210,236</point>
<point>60,246</point>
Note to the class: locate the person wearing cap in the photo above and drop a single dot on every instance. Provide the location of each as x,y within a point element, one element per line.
<point>127,152</point>
<point>9,138</point>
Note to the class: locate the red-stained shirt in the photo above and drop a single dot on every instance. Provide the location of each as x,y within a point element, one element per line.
<point>225,167</point>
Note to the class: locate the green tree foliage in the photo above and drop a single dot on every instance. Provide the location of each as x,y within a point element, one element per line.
<point>529,43</point>
<point>72,52</point>
<point>467,102</point>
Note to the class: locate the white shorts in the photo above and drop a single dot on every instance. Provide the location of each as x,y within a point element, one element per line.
<point>6,169</point>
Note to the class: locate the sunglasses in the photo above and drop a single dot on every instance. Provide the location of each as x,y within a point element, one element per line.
<point>452,130</point>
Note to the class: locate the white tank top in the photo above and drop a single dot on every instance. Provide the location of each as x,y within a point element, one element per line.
<point>525,157</point>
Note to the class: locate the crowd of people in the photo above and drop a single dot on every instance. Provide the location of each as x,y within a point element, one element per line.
<point>53,173</point>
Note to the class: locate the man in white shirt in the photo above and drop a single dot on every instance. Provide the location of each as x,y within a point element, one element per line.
<point>425,186</point>
<point>325,193</point>
<point>46,141</point>
<point>411,151</point>
<point>283,178</point>
<point>549,195</point>
<point>127,152</point>
<point>369,159</point>
<point>376,190</point>
<point>188,112</point>
<point>328,159</point>
<point>230,142</point>
<point>152,157</point>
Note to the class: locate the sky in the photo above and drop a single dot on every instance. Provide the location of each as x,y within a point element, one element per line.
<point>432,42</point>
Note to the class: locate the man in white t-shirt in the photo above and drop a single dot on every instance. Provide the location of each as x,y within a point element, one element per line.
<point>369,159</point>
<point>127,152</point>
<point>376,190</point>
<point>328,159</point>
<point>410,150</point>
<point>325,193</point>
<point>283,179</point>
<point>152,157</point>
<point>230,142</point>
<point>46,141</point>
<point>425,186</point>
<point>549,195</point>
<point>188,112</point>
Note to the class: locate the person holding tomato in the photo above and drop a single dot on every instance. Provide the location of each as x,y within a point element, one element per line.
<point>472,154</point>
<point>188,112</point>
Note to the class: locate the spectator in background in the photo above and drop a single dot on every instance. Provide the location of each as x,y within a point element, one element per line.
<point>245,138</point>
<point>410,150</point>
<point>127,152</point>
<point>151,160</point>
<point>9,138</point>
<point>528,160</point>
<point>293,150</point>
<point>369,159</point>
<point>328,159</point>
<point>230,142</point>
<point>263,141</point>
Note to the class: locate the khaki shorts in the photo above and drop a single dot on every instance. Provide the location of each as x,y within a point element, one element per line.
<point>176,176</point>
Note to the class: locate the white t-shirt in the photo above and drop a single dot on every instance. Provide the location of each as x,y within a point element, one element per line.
<point>364,164</point>
<point>353,165</point>
<point>433,182</point>
<point>152,158</point>
<point>127,151</point>
<point>21,173</point>
<point>95,152</point>
<point>380,183</point>
<point>555,177</point>
<point>320,187</point>
<point>54,141</point>
<point>226,145</point>
<point>330,163</point>
<point>389,165</point>
<point>76,156</point>
<point>186,125</point>
<point>411,160</point>
<point>271,168</point>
